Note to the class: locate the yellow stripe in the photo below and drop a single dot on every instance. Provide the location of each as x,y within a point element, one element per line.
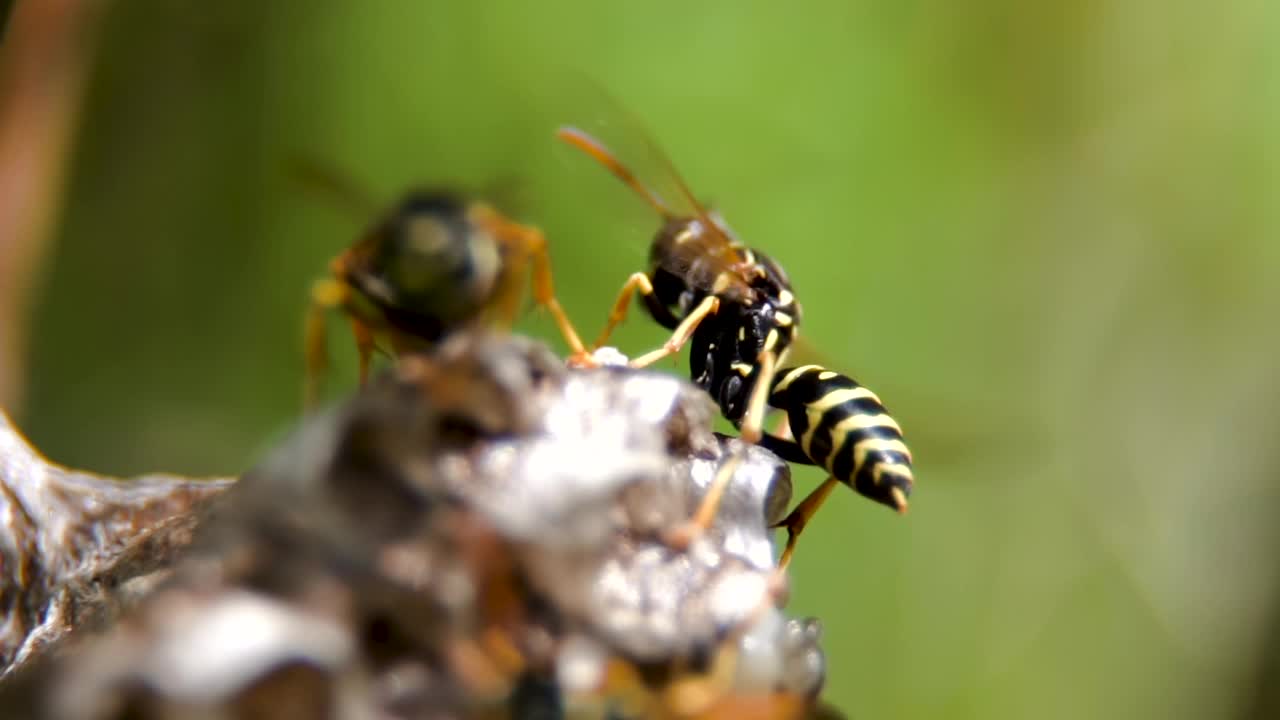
<point>782,319</point>
<point>897,469</point>
<point>839,397</point>
<point>842,429</point>
<point>793,376</point>
<point>807,438</point>
<point>785,297</point>
<point>866,445</point>
<point>827,375</point>
<point>862,422</point>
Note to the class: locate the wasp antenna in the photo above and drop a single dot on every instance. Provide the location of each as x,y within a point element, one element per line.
<point>602,155</point>
<point>331,184</point>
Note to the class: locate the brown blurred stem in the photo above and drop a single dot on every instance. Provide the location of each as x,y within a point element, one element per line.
<point>6,8</point>
<point>43,63</point>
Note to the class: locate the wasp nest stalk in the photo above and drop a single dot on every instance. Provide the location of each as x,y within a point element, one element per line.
<point>75,547</point>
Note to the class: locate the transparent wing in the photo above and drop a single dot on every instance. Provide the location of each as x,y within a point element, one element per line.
<point>333,186</point>
<point>601,121</point>
<point>602,128</point>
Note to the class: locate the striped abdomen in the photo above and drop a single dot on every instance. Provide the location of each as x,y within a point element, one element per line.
<point>842,426</point>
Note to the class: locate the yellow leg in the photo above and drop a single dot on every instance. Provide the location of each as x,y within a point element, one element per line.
<point>544,292</point>
<point>364,347</point>
<point>683,332</point>
<point>783,429</point>
<point>622,304</point>
<point>753,418</point>
<point>326,295</point>
<point>686,533</point>
<point>796,521</point>
<point>529,245</point>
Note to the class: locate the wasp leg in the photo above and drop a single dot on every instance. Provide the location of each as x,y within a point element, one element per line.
<point>783,429</point>
<point>753,418</point>
<point>786,448</point>
<point>659,312</point>
<point>622,304</point>
<point>682,536</point>
<point>326,295</point>
<point>684,331</point>
<point>364,347</point>
<point>544,292</point>
<point>796,521</point>
<point>530,247</point>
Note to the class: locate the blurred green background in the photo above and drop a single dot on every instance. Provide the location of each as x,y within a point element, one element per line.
<point>1046,234</point>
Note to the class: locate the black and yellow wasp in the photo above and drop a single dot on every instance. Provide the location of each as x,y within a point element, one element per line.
<point>736,309</point>
<point>433,264</point>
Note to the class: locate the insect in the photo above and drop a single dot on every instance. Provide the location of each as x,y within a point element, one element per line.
<point>733,302</point>
<point>434,263</point>
<point>736,308</point>
<point>842,427</point>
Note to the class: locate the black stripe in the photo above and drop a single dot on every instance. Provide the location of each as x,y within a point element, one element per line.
<point>788,450</point>
<point>819,447</point>
<point>808,390</point>
<point>842,467</point>
<point>865,483</point>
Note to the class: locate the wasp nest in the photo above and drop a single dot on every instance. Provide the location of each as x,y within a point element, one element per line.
<point>480,532</point>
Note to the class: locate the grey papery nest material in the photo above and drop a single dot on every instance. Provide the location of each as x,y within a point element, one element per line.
<point>479,533</point>
<point>75,547</point>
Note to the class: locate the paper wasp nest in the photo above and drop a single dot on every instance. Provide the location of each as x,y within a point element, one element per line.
<point>479,533</point>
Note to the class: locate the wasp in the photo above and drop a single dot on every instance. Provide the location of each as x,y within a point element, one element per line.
<point>842,427</point>
<point>434,263</point>
<point>704,285</point>
<point>735,306</point>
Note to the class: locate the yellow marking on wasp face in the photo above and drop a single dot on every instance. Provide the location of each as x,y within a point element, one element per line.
<point>486,263</point>
<point>827,375</point>
<point>428,235</point>
<point>865,446</point>
<point>785,297</point>
<point>782,319</point>
<point>793,375</point>
<point>771,340</point>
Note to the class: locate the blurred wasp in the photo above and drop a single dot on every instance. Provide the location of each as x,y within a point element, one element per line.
<point>433,264</point>
<point>735,306</point>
